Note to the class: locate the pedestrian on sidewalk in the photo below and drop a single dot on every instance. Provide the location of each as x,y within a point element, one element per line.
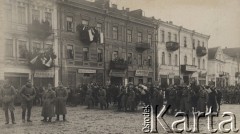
<point>61,99</point>
<point>48,104</point>
<point>28,94</point>
<point>7,95</point>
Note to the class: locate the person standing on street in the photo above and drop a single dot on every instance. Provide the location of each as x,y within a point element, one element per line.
<point>61,99</point>
<point>7,95</point>
<point>28,94</point>
<point>48,104</point>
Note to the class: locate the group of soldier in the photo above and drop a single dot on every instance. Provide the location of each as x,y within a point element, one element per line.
<point>53,101</point>
<point>184,98</point>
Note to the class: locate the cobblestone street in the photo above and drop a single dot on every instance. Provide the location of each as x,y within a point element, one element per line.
<point>95,121</point>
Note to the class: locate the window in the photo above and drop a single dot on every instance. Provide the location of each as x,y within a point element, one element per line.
<point>9,48</point>
<point>48,17</point>
<point>85,22</point>
<point>99,27</point>
<point>70,53</point>
<point>150,39</point>
<point>100,55</point>
<point>198,43</point>
<point>115,33</point>
<point>139,35</point>
<point>163,36</point>
<point>86,75</point>
<point>163,58</point>
<point>9,12</point>
<point>21,15</point>
<point>193,61</point>
<point>130,58</point>
<point>176,60</point>
<point>129,35</point>
<point>115,55</point>
<point>169,36</point>
<point>193,43</point>
<point>185,60</point>
<point>85,53</point>
<point>185,41</point>
<point>149,61</point>
<point>47,46</point>
<point>69,24</point>
<point>199,63</point>
<point>22,47</point>
<point>203,64</point>
<point>202,44</point>
<point>139,59</point>
<point>170,59</point>
<point>175,37</point>
<point>35,15</point>
<point>36,47</point>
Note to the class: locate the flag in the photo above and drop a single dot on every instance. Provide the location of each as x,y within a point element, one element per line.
<point>90,35</point>
<point>34,60</point>
<point>49,63</point>
<point>101,38</point>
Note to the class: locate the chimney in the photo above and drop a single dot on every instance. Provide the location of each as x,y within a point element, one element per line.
<point>114,6</point>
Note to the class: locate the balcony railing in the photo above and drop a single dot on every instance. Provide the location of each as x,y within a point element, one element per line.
<point>118,64</point>
<point>172,46</point>
<point>201,51</point>
<point>142,46</point>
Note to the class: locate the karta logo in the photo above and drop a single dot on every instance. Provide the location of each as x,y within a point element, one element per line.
<point>153,119</point>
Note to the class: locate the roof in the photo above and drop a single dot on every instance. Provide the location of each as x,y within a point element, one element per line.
<point>212,52</point>
<point>233,52</point>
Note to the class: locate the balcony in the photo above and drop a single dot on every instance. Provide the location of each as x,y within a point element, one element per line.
<point>142,46</point>
<point>201,51</point>
<point>172,46</point>
<point>118,63</point>
<point>237,74</point>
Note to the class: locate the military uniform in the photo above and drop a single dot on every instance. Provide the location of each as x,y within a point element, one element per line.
<point>60,103</point>
<point>102,98</point>
<point>7,97</point>
<point>48,104</point>
<point>28,94</point>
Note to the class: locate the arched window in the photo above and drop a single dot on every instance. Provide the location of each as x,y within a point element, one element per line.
<point>176,60</point>
<point>185,60</point>
<point>170,59</point>
<point>203,64</point>
<point>163,58</point>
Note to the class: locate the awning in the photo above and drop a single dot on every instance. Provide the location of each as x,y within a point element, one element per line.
<point>117,73</point>
<point>44,74</point>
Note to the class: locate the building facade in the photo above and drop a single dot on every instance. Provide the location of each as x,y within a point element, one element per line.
<point>123,50</point>
<point>223,69</point>
<point>182,55</point>
<point>17,42</point>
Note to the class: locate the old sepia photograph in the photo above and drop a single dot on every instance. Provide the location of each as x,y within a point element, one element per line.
<point>119,66</point>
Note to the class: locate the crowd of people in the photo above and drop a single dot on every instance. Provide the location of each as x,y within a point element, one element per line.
<point>54,100</point>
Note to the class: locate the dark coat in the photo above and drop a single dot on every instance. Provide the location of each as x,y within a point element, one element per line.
<point>48,103</point>
<point>60,103</point>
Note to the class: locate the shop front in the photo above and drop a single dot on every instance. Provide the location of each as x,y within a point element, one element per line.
<point>43,78</point>
<point>187,72</point>
<point>86,76</point>
<point>117,77</point>
<point>202,78</point>
<point>16,79</point>
<point>142,77</point>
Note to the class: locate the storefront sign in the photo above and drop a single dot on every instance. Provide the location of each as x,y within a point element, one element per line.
<point>86,71</point>
<point>142,73</point>
<point>43,74</point>
<point>191,68</point>
<point>117,73</point>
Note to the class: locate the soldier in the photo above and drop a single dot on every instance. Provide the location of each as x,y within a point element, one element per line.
<point>7,95</point>
<point>48,104</point>
<point>131,97</point>
<point>28,94</point>
<point>212,99</point>
<point>157,100</point>
<point>88,98</point>
<point>172,99</point>
<point>202,100</point>
<point>61,99</point>
<point>102,98</point>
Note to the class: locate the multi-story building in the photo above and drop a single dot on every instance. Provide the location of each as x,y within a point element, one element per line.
<point>17,42</point>
<point>222,68</point>
<point>123,50</point>
<point>182,55</point>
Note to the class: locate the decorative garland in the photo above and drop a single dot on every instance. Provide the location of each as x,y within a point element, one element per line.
<point>201,51</point>
<point>88,34</point>
<point>38,30</point>
<point>172,46</point>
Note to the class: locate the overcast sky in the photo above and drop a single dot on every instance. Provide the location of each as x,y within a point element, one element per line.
<point>218,18</point>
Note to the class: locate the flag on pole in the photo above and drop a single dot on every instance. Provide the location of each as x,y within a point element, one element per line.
<point>49,63</point>
<point>34,60</point>
<point>90,35</point>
